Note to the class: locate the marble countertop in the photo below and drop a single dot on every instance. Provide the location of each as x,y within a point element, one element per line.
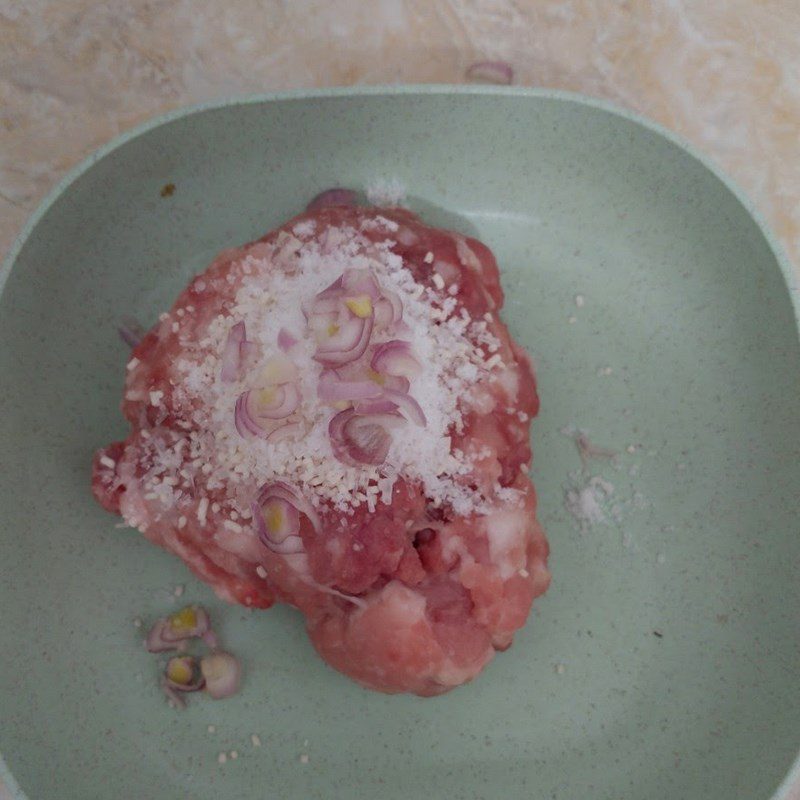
<point>74,73</point>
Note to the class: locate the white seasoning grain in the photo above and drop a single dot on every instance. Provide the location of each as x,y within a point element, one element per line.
<point>256,740</point>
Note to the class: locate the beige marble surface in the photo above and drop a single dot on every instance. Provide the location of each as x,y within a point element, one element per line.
<point>723,73</point>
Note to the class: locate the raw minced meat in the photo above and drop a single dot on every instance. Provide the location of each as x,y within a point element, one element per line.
<point>405,529</point>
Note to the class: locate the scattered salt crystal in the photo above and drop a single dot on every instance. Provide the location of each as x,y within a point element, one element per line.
<point>211,729</point>
<point>175,327</point>
<point>137,622</point>
<point>133,363</point>
<point>181,522</point>
<point>155,398</point>
<point>428,257</point>
<point>222,758</point>
<point>438,281</point>
<point>200,286</point>
<point>215,507</point>
<point>234,754</point>
<point>163,317</point>
<point>453,289</point>
<point>108,462</point>
<point>233,526</point>
<point>304,758</point>
<point>261,572</point>
<point>179,589</point>
<point>579,300</point>
<point>630,449</point>
<point>256,740</point>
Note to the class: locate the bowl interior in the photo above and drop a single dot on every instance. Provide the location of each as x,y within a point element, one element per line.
<point>662,663</point>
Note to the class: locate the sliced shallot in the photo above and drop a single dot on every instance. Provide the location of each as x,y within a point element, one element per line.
<point>332,389</point>
<point>221,673</point>
<point>341,344</point>
<point>407,405</point>
<point>388,309</point>
<point>360,282</point>
<point>283,432</point>
<point>276,515</point>
<point>274,402</point>
<point>172,633</point>
<point>362,438</point>
<point>279,369</point>
<point>396,358</point>
<point>182,674</point>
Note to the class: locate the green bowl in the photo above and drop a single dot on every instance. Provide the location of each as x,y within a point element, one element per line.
<point>662,663</point>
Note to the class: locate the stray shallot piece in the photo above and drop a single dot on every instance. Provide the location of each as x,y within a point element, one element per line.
<point>222,674</point>
<point>182,674</point>
<point>173,632</point>
<point>499,72</point>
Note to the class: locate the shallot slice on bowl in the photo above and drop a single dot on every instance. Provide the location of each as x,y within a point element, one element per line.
<point>221,674</point>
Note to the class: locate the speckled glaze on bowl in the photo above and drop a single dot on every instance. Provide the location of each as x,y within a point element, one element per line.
<point>663,662</point>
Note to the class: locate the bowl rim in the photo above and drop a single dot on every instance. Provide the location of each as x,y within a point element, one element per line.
<point>788,271</point>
